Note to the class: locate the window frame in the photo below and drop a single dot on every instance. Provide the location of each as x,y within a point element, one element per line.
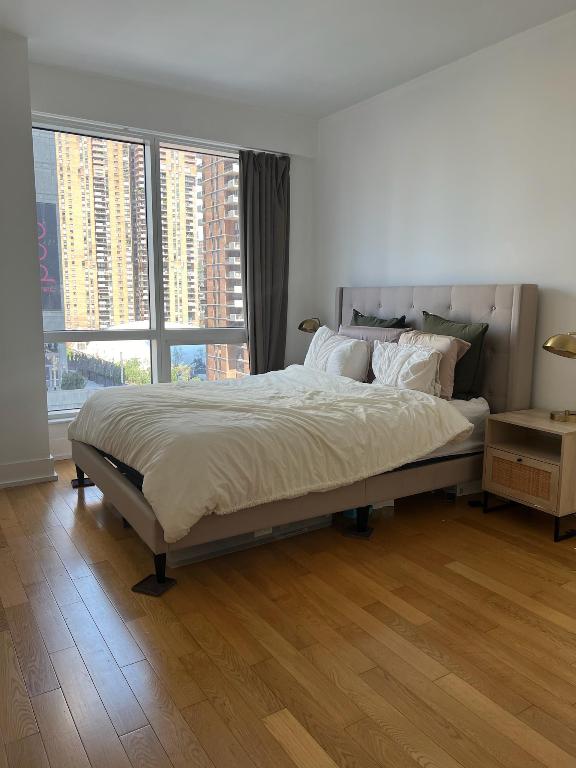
<point>160,337</point>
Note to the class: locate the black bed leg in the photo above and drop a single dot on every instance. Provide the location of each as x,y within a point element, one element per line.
<point>160,566</point>
<point>157,583</point>
<point>81,481</point>
<point>361,529</point>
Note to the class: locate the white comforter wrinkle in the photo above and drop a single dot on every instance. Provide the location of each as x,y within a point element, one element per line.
<point>217,447</point>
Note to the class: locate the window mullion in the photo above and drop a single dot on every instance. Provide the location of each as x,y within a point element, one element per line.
<point>160,356</point>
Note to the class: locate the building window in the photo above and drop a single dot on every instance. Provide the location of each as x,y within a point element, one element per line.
<point>116,310</point>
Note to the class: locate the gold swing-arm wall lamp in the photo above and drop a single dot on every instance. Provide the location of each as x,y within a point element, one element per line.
<point>310,325</point>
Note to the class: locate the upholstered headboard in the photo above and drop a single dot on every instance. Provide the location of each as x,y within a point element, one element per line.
<point>510,311</point>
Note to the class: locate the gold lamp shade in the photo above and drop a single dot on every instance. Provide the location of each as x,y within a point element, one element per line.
<point>310,325</point>
<point>563,344</point>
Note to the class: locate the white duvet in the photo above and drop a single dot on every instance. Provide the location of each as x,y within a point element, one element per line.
<point>217,447</point>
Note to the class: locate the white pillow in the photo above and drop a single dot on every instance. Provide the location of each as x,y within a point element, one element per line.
<point>338,355</point>
<point>451,348</point>
<point>407,367</point>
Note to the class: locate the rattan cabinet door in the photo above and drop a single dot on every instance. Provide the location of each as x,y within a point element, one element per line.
<point>521,478</point>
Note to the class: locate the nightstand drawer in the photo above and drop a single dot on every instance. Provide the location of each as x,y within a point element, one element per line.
<point>522,478</point>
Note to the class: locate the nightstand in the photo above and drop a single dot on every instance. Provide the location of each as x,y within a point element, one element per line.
<point>530,459</point>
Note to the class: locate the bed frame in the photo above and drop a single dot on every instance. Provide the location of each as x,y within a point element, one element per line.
<point>510,311</point>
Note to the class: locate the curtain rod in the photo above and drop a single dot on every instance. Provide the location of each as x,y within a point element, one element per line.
<point>59,121</point>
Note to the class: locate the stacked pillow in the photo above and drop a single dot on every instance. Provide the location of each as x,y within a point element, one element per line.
<point>407,367</point>
<point>444,359</point>
<point>451,350</point>
<point>339,355</point>
<point>468,373</point>
<point>372,321</point>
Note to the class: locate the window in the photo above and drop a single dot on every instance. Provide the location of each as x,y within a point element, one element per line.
<point>140,277</point>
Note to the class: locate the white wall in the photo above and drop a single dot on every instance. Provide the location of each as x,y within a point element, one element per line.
<point>24,453</point>
<point>466,175</point>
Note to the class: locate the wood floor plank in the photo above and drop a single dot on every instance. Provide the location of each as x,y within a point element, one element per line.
<point>49,617</point>
<point>123,601</point>
<point>16,715</point>
<point>216,738</point>
<point>245,726</point>
<point>296,741</point>
<point>178,741</point>
<point>120,703</point>
<point>406,689</point>
<point>417,744</point>
<point>342,710</point>
<point>27,753</point>
<point>61,739</point>
<point>192,593</point>
<point>257,694</point>
<point>370,624</point>
<point>377,743</point>
<point>99,738</point>
<point>467,655</point>
<point>158,648</point>
<point>329,563</point>
<point>144,749</point>
<point>334,740</point>
<point>71,558</point>
<point>33,657</point>
<point>121,643</point>
<point>530,740</point>
<point>12,591</point>
<point>534,606</point>
<point>61,584</point>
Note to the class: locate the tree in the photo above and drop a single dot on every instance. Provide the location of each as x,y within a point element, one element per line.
<point>135,372</point>
<point>72,380</point>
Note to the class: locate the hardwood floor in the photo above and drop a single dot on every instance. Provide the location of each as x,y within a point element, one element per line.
<point>446,641</point>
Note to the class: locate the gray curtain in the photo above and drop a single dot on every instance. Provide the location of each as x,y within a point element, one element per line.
<point>264,230</point>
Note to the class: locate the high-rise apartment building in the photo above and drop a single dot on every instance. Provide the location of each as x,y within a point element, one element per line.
<point>180,186</point>
<point>223,276</point>
<point>103,238</point>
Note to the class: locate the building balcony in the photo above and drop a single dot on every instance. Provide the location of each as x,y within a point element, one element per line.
<point>231,200</point>
<point>232,184</point>
<point>233,245</point>
<point>232,213</point>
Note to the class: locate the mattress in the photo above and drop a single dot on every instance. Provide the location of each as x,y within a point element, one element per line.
<point>476,411</point>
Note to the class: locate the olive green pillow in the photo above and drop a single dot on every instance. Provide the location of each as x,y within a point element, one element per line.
<point>377,322</point>
<point>468,371</point>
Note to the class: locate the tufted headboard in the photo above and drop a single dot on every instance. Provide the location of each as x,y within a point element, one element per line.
<point>510,311</point>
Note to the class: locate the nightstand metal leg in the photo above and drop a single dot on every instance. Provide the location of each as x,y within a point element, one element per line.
<point>562,536</point>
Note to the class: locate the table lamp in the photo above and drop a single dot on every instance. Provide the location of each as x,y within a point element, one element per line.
<point>563,344</point>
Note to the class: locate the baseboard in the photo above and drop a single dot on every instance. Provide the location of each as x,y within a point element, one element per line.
<point>27,472</point>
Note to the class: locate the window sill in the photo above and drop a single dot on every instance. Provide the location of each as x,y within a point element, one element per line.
<point>62,417</point>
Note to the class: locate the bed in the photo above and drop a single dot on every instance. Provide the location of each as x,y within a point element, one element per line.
<point>508,353</point>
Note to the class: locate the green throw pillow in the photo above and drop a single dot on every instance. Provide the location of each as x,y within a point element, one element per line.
<point>377,322</point>
<point>468,372</point>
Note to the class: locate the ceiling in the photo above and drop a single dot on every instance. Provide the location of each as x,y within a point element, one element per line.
<point>306,56</point>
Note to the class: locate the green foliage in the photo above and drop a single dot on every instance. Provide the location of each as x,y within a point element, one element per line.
<point>180,372</point>
<point>135,373</point>
<point>72,380</point>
